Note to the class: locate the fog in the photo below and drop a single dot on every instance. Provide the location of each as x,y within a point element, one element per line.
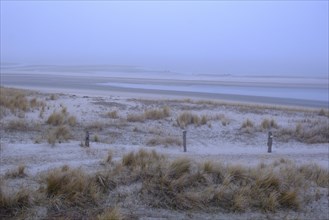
<point>238,38</point>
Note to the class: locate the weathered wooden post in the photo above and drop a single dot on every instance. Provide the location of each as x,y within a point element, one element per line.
<point>87,139</point>
<point>269,142</point>
<point>184,140</point>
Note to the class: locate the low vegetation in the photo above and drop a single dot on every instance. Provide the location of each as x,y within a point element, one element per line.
<point>17,101</point>
<point>14,100</point>
<point>188,118</point>
<point>222,118</point>
<point>151,114</point>
<point>17,173</point>
<point>112,114</point>
<point>323,112</point>
<point>12,203</point>
<point>53,97</point>
<point>269,124</point>
<point>156,114</point>
<point>135,118</point>
<point>306,131</point>
<point>165,141</point>
<point>247,124</point>
<point>17,125</point>
<point>247,127</point>
<point>61,118</point>
<point>180,184</point>
<point>95,126</point>
<point>158,181</point>
<point>309,132</point>
<point>96,138</point>
<point>71,187</point>
<point>72,121</point>
<point>111,214</point>
<point>58,135</point>
<point>184,185</point>
<point>21,125</point>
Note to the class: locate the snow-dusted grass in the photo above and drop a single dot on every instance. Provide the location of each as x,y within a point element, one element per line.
<point>164,141</point>
<point>112,114</point>
<point>149,114</point>
<point>17,102</point>
<point>188,118</point>
<point>14,203</point>
<point>58,134</point>
<point>111,213</point>
<point>19,172</point>
<point>310,132</point>
<point>180,184</point>
<point>224,171</point>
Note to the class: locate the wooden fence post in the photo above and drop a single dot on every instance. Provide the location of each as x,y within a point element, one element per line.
<point>269,142</point>
<point>184,140</point>
<point>87,139</point>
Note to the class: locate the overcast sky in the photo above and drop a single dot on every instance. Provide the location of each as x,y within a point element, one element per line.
<point>238,37</point>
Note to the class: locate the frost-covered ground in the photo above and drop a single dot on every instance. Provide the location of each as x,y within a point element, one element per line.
<point>219,138</point>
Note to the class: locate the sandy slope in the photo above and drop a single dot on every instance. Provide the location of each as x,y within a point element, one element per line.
<point>213,141</point>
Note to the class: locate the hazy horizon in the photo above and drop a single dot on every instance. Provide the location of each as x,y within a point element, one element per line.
<point>237,38</point>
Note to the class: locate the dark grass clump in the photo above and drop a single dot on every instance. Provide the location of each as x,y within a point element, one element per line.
<point>71,187</point>
<point>13,203</point>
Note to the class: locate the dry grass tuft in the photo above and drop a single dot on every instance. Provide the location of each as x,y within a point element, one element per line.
<point>112,114</point>
<point>42,111</point>
<point>166,141</point>
<point>156,114</point>
<point>17,173</point>
<point>56,119</point>
<point>268,124</point>
<point>316,174</point>
<point>12,203</point>
<point>61,118</point>
<point>96,126</point>
<point>111,214</point>
<point>247,124</point>
<point>187,118</point>
<point>152,114</point>
<point>96,138</point>
<point>13,99</point>
<point>208,167</point>
<point>179,167</point>
<point>289,199</point>
<point>180,184</point>
<point>135,118</point>
<point>58,134</point>
<point>53,97</point>
<point>71,187</point>
<point>128,159</point>
<point>323,112</point>
<point>72,121</point>
<point>222,118</point>
<point>17,125</point>
<point>16,101</point>
<point>310,132</point>
<point>204,120</point>
<point>109,157</point>
<point>141,159</point>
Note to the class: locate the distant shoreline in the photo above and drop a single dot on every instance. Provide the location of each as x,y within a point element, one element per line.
<point>88,85</point>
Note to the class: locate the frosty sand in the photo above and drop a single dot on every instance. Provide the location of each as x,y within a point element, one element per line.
<point>45,131</point>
